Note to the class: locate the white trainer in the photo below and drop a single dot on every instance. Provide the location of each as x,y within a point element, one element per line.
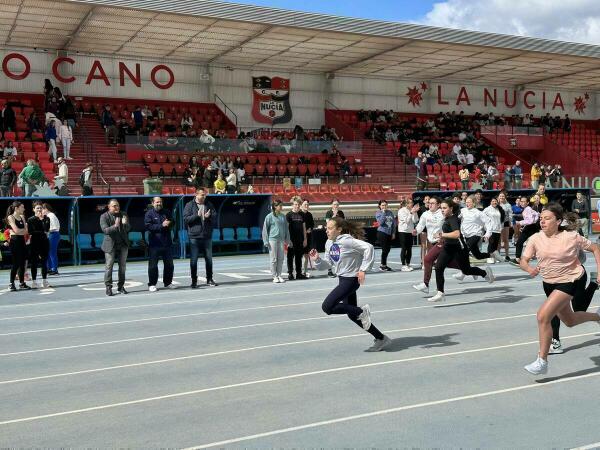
<point>45,284</point>
<point>276,280</point>
<point>34,285</point>
<point>438,297</point>
<point>490,261</point>
<point>380,344</point>
<point>489,275</point>
<point>281,280</point>
<point>421,287</point>
<point>555,347</point>
<point>405,269</point>
<point>459,276</point>
<point>152,288</point>
<point>538,367</point>
<point>496,256</point>
<point>365,317</point>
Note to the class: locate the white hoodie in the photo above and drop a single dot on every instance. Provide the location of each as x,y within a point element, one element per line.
<point>347,256</point>
<point>473,223</point>
<point>494,216</point>
<point>406,220</point>
<point>433,222</point>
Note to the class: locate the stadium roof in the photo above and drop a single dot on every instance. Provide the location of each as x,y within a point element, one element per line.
<point>225,34</point>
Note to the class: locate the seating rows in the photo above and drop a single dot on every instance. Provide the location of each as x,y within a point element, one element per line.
<point>19,138</point>
<point>246,158</point>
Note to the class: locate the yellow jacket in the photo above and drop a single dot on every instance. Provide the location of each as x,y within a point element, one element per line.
<point>535,173</point>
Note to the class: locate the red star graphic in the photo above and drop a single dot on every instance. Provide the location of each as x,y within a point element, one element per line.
<point>423,86</point>
<point>414,96</point>
<point>580,105</point>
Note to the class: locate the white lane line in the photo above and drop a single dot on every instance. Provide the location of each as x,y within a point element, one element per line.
<point>237,327</point>
<point>298,376</point>
<point>588,447</point>
<point>178,316</point>
<point>397,409</point>
<point>262,347</point>
<point>220,300</point>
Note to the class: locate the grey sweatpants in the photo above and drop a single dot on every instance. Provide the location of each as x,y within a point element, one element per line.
<point>276,257</point>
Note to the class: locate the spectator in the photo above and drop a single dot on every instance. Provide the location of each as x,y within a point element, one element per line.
<point>207,177</point>
<point>63,175</point>
<point>580,206</point>
<point>147,113</point>
<point>220,184</point>
<point>65,136</point>
<point>51,136</point>
<point>109,125</point>
<point>33,125</point>
<point>567,124</point>
<point>493,175</point>
<point>31,177</point>
<point>464,175</point>
<point>69,114</point>
<point>206,140</point>
<point>85,179</point>
<point>535,176</point>
<point>10,151</point>
<point>115,225</point>
<point>170,127</point>
<point>158,223</point>
<point>53,237</point>
<point>508,177</point>
<point>9,119</point>
<point>541,194</point>
<point>543,175</point>
<point>123,131</point>
<point>138,121</point>
<point>8,178</point>
<point>556,176</point>
<point>518,175</point>
<point>186,124</point>
<point>231,181</point>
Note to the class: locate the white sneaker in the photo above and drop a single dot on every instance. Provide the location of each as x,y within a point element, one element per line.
<point>152,288</point>
<point>276,280</point>
<point>497,257</point>
<point>45,284</point>
<point>555,347</point>
<point>438,297</point>
<point>409,268</point>
<point>307,275</point>
<point>490,261</point>
<point>489,275</point>
<point>379,344</point>
<point>170,286</point>
<point>34,285</point>
<point>421,287</point>
<point>459,276</point>
<point>538,367</point>
<point>365,317</point>
<point>405,269</point>
<point>281,280</point>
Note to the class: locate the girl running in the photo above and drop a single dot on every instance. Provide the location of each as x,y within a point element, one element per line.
<point>508,219</point>
<point>38,227</point>
<point>496,217</point>
<point>474,224</point>
<point>423,242</point>
<point>432,221</point>
<point>15,220</point>
<point>454,250</point>
<point>386,233</point>
<point>407,219</point>
<point>557,251</point>
<point>350,258</point>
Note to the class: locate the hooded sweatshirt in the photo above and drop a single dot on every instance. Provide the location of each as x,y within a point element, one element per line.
<point>347,256</point>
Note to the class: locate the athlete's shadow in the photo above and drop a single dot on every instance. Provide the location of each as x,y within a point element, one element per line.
<point>582,345</point>
<point>403,343</point>
<point>495,299</point>
<point>595,360</point>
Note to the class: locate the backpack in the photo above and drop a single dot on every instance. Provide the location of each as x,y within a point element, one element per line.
<point>82,179</point>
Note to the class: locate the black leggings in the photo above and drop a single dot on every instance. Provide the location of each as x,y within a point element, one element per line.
<point>406,241</point>
<point>460,256</point>
<point>493,243</point>
<point>473,245</point>
<point>294,255</point>
<point>343,300</point>
<point>526,233</point>
<point>581,300</point>
<point>38,249</point>
<point>18,256</point>
<point>385,240</point>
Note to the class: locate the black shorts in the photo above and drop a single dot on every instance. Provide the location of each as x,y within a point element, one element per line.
<point>507,224</point>
<point>568,288</point>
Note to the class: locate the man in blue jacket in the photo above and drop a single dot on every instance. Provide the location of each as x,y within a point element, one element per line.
<point>158,223</point>
<point>198,217</point>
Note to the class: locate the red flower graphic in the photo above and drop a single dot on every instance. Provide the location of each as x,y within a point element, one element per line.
<point>580,104</point>
<point>415,96</point>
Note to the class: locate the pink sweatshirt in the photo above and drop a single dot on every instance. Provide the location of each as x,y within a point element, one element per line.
<point>558,255</point>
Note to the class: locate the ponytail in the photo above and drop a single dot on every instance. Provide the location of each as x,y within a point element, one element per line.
<point>355,230</point>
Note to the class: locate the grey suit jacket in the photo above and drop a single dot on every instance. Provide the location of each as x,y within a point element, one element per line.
<point>111,231</point>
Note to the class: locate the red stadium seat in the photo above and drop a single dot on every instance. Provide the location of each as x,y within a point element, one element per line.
<point>173,158</point>
<point>161,158</point>
<point>249,169</point>
<point>149,158</point>
<point>302,169</point>
<point>281,169</point>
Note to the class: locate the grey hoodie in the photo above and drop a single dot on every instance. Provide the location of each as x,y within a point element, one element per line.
<point>347,256</point>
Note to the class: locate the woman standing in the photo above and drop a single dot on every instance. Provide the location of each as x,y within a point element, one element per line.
<point>454,250</point>
<point>386,232</point>
<point>65,136</point>
<point>508,218</point>
<point>309,221</point>
<point>51,134</point>
<point>407,219</point>
<point>54,238</point>
<point>350,258</point>
<point>38,227</point>
<point>496,217</point>
<point>15,220</point>
<point>557,252</point>
<point>275,235</point>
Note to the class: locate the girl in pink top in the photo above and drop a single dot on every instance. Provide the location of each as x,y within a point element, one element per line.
<point>557,253</point>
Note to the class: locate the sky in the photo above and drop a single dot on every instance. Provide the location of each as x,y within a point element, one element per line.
<point>564,20</point>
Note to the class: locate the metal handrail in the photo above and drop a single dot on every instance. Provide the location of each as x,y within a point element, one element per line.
<point>327,102</point>
<point>99,174</point>
<point>227,108</point>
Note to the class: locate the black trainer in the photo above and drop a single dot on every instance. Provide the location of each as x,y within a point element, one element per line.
<point>24,286</point>
<point>211,283</point>
<point>330,274</point>
<point>123,291</point>
<point>12,287</point>
<point>301,276</point>
<point>291,277</point>
<point>194,285</point>
<point>109,291</point>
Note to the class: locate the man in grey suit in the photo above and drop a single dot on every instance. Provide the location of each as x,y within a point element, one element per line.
<point>115,226</point>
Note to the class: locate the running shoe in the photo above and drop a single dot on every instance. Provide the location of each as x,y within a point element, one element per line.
<point>379,344</point>
<point>24,286</point>
<point>365,317</point>
<point>459,276</point>
<point>406,269</point>
<point>514,262</point>
<point>496,256</point>
<point>301,276</point>
<point>490,261</point>
<point>34,285</point>
<point>290,277</point>
<point>12,287</point>
<point>538,367</point>
<point>507,258</point>
<point>152,288</point>
<point>330,274</point>
<point>489,275</point>
<point>45,284</point>
<point>281,280</point>
<point>555,347</point>
<point>438,297</point>
<point>276,280</point>
<point>421,287</point>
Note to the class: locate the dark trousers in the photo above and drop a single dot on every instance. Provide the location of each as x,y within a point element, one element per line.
<point>38,256</point>
<point>493,243</point>
<point>18,254</point>
<point>294,256</point>
<point>580,302</point>
<point>526,233</point>
<point>458,255</point>
<point>118,254</point>
<point>406,241</point>
<point>196,246</point>
<point>343,300</point>
<point>473,245</point>
<point>54,238</point>
<point>156,253</point>
<point>87,190</point>
<point>385,240</point>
